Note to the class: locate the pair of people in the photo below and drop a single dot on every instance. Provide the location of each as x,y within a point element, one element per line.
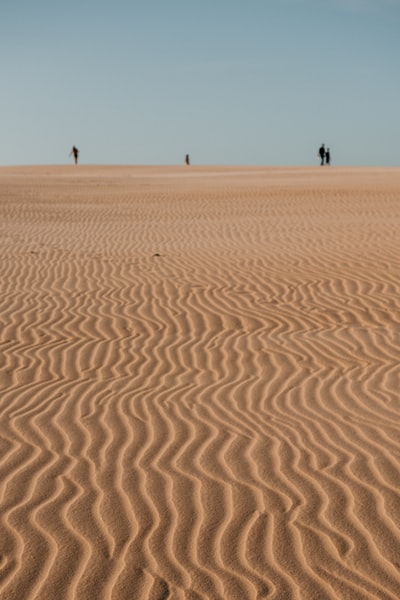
<point>324,155</point>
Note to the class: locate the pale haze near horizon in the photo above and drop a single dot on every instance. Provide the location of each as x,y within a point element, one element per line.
<point>255,83</point>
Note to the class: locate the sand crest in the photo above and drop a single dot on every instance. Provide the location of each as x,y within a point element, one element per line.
<point>199,383</point>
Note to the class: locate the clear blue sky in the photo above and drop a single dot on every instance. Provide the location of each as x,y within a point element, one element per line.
<point>260,82</point>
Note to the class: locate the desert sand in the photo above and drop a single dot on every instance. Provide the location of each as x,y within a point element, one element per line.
<point>199,383</point>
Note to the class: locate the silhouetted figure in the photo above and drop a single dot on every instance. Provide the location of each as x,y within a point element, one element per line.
<point>328,157</point>
<point>75,152</point>
<point>187,159</point>
<point>322,154</point>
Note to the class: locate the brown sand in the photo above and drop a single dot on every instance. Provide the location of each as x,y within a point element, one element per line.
<point>200,383</point>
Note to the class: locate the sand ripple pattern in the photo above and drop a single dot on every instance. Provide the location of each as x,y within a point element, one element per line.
<point>199,383</point>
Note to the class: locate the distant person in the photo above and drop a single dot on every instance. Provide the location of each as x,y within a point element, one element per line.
<point>322,154</point>
<point>187,159</point>
<point>75,152</point>
<point>328,156</point>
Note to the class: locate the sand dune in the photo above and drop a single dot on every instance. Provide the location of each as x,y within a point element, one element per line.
<point>199,383</point>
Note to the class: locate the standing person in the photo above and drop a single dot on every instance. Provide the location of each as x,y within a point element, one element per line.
<point>328,157</point>
<point>75,152</point>
<point>187,159</point>
<point>322,153</point>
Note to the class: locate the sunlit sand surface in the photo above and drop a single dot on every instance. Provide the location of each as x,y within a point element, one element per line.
<point>199,383</point>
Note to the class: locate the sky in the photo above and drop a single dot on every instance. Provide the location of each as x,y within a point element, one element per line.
<point>230,82</point>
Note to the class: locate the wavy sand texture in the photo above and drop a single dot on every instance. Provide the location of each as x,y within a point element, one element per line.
<point>199,383</point>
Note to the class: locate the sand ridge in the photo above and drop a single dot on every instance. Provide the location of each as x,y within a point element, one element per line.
<point>199,383</point>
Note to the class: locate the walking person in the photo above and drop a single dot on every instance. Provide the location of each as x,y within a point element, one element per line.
<point>75,152</point>
<point>322,154</point>
<point>328,157</point>
<point>187,159</point>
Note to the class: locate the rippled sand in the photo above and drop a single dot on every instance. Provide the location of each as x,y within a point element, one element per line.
<point>199,383</point>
